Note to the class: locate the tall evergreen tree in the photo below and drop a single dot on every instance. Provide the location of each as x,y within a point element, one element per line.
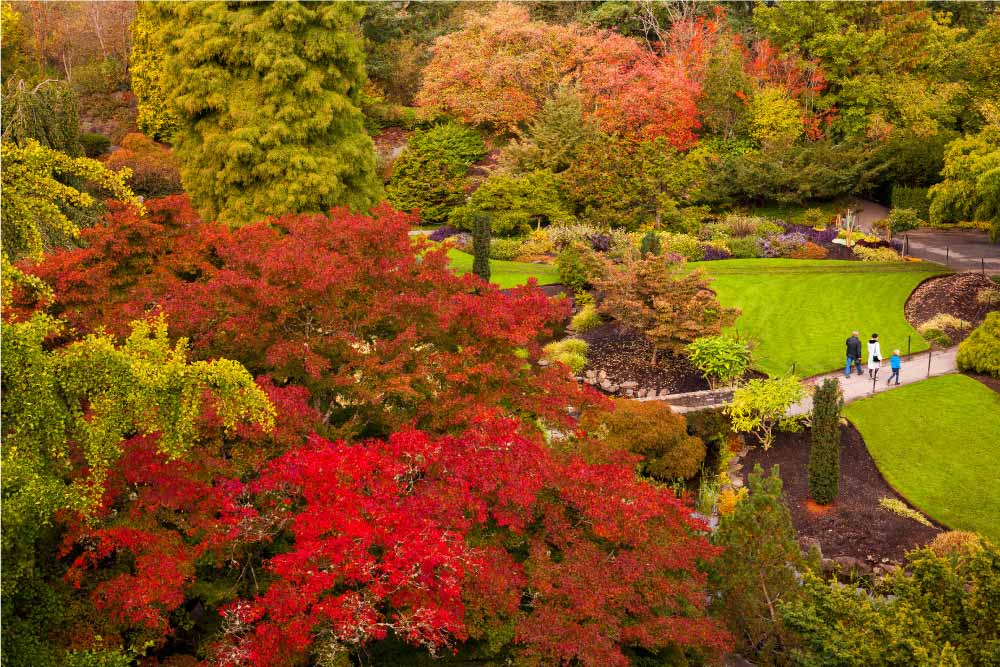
<point>268,97</point>
<point>154,116</point>
<point>824,458</point>
<point>481,234</point>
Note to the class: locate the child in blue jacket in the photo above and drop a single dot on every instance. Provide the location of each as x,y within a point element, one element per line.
<point>895,363</point>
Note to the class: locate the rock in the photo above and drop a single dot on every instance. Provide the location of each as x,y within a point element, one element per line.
<point>630,393</point>
<point>591,374</point>
<point>807,544</point>
<point>734,468</point>
<point>607,385</point>
<point>629,385</point>
<point>543,362</point>
<point>737,482</point>
<point>602,375</point>
<point>849,564</point>
<point>590,381</point>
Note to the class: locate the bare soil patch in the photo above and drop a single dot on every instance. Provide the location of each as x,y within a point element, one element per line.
<point>854,525</point>
<point>954,295</point>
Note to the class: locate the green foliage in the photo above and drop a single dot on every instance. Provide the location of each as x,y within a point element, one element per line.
<point>46,113</point>
<point>569,351</point>
<point>156,118</point>
<point>587,319</point>
<point>650,244</point>
<point>268,99</point>
<point>576,266</point>
<point>430,175</point>
<point>757,569</point>
<point>903,220</point>
<point>653,431</point>
<point>941,611</point>
<point>899,508</point>
<point>743,248</point>
<point>88,397</point>
<point>481,234</point>
<point>980,352</point>
<point>971,186</point>
<point>866,254</point>
<point>515,204</point>
<point>94,144</point>
<point>824,457</point>
<point>761,406</point>
<point>506,249</point>
<point>722,360</point>
<point>39,210</point>
<point>912,198</point>
<point>687,246</point>
<point>774,117</point>
<point>553,138</point>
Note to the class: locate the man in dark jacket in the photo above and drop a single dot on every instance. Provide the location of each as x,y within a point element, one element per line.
<point>853,354</point>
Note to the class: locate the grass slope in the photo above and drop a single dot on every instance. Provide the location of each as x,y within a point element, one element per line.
<point>937,442</point>
<point>802,311</point>
<point>506,274</point>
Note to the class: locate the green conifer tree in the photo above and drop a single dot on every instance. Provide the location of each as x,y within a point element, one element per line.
<point>650,244</point>
<point>481,236</point>
<point>824,458</point>
<point>268,99</point>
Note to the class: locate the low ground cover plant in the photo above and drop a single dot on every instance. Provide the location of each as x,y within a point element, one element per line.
<point>569,351</point>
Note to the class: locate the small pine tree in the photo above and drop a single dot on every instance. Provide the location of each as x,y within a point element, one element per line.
<point>481,247</point>
<point>650,244</point>
<point>824,458</point>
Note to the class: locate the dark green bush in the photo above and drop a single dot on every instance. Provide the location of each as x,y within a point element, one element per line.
<point>516,204</point>
<point>430,175</point>
<point>912,198</point>
<point>574,268</point>
<point>481,248</point>
<point>94,144</point>
<point>824,457</point>
<point>980,352</point>
<point>650,244</point>
<point>903,220</point>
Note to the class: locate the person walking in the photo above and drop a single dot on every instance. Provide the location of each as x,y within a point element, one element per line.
<point>874,357</point>
<point>895,363</point>
<point>853,354</point>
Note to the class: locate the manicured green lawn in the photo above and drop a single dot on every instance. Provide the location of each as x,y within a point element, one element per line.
<point>507,274</point>
<point>802,311</point>
<point>937,442</point>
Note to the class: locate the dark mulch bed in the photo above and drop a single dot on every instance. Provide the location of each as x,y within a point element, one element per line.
<point>954,295</point>
<point>853,525</point>
<point>625,356</point>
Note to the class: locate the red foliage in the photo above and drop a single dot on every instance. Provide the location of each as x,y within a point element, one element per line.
<point>379,331</point>
<point>804,80</point>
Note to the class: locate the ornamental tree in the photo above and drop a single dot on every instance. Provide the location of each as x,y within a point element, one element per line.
<point>379,331</point>
<point>722,360</point>
<point>971,186</point>
<point>499,68</point>
<point>654,296</point>
<point>762,405</point>
<point>40,211</point>
<point>268,99</point>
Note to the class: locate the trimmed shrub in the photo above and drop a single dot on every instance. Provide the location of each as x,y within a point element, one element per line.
<point>720,359</point>
<point>481,247</point>
<point>689,247</point>
<point>903,220</point>
<point>569,351</point>
<point>936,337</point>
<point>576,267</point>
<point>587,319</point>
<point>505,249</point>
<point>94,144</point>
<point>744,248</point>
<point>866,254</point>
<point>652,430</point>
<point>809,251</point>
<point>980,352</point>
<point>824,457</point>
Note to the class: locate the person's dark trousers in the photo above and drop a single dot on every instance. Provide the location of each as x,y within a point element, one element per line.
<point>873,373</point>
<point>851,361</point>
<point>895,374</point>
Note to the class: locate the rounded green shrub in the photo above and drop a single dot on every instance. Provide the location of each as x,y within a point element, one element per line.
<point>980,352</point>
<point>94,144</point>
<point>505,249</point>
<point>587,319</point>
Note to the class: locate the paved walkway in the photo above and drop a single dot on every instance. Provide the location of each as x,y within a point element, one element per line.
<point>962,250</point>
<point>870,213</point>
<point>857,387</point>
